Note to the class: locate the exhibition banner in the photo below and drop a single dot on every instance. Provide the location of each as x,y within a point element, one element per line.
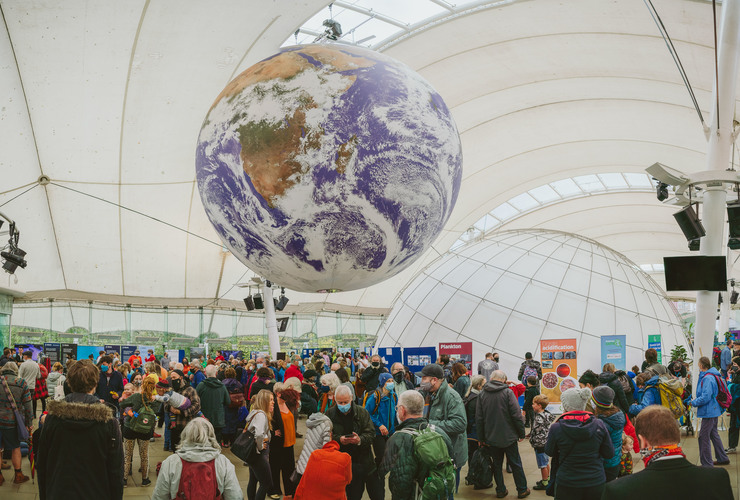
<point>128,350</point>
<point>614,350</point>
<point>52,350</point>
<point>175,355</point>
<point>559,370</point>
<point>654,342</point>
<point>84,352</point>
<point>144,351</point>
<point>461,352</point>
<point>35,349</point>
<point>390,355</point>
<point>307,353</point>
<point>228,353</point>
<point>417,358</point>
<point>111,348</point>
<point>67,350</point>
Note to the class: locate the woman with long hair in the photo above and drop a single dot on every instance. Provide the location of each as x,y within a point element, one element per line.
<point>259,421</point>
<point>460,379</point>
<point>129,407</point>
<point>282,451</point>
<point>470,400</point>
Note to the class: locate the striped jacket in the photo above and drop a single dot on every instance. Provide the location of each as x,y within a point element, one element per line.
<point>21,395</point>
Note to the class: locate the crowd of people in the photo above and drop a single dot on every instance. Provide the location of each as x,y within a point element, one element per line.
<point>369,427</point>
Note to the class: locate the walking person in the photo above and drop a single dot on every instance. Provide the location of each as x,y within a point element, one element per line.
<point>318,433</point>
<point>487,366</point>
<point>14,393</point>
<point>259,422</point>
<point>137,434</point>
<point>214,398</point>
<point>460,379</point>
<point>41,391</point>
<point>709,410</point>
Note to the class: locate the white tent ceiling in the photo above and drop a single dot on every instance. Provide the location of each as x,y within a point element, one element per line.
<point>106,99</point>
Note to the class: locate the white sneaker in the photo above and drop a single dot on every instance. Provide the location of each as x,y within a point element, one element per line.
<point>730,450</point>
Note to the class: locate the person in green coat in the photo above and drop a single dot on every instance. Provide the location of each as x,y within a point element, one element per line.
<point>134,404</point>
<point>446,410</point>
<point>214,398</point>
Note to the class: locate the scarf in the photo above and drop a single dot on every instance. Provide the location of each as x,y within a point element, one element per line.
<point>649,455</point>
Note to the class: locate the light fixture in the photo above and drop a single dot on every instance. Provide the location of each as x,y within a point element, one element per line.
<point>333,29</point>
<point>733,297</point>
<point>662,191</point>
<point>13,255</point>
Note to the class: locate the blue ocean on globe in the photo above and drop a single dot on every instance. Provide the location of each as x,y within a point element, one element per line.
<point>328,167</point>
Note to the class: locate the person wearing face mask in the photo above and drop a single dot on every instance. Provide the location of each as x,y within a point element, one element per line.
<point>110,385</point>
<point>354,431</point>
<point>399,458</point>
<point>381,405</point>
<point>447,411</point>
<point>371,374</point>
<point>667,473</point>
<point>399,378</point>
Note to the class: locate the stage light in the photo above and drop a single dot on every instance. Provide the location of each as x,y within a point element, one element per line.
<point>249,302</point>
<point>733,219</point>
<point>13,259</point>
<point>694,245</point>
<point>662,191</point>
<point>733,297</point>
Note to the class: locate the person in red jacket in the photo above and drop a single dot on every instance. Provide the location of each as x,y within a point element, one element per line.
<point>134,357</point>
<point>294,370</point>
<point>150,357</point>
<point>327,474</point>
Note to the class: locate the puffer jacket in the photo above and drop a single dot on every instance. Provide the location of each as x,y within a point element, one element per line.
<point>620,398</point>
<point>399,460</point>
<point>52,381</point>
<point>318,433</point>
<point>447,412</point>
<point>328,473</point>
<point>382,412</point>
<point>706,395</point>
<point>615,425</point>
<point>168,479</point>
<point>650,396</point>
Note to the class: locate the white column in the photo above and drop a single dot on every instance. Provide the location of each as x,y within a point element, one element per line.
<point>271,321</point>
<point>718,158</point>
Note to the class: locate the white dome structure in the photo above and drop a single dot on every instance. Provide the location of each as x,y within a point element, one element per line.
<point>511,289</point>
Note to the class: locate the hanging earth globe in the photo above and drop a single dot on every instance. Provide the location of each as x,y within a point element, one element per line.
<point>328,167</point>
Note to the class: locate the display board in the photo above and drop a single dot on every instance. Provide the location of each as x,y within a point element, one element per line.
<point>559,370</point>
<point>84,351</point>
<point>228,353</point>
<point>144,351</point>
<point>127,351</point>
<point>68,349</point>
<point>53,351</point>
<point>655,342</point>
<point>258,354</point>
<point>390,355</point>
<point>461,352</point>
<point>35,349</point>
<point>175,355</point>
<point>614,350</point>
<point>111,348</point>
<point>417,358</point>
<point>307,353</point>
<point>196,352</point>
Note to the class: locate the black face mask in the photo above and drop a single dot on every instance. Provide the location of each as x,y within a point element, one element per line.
<point>495,359</point>
<point>176,385</point>
<point>398,377</point>
<point>376,365</point>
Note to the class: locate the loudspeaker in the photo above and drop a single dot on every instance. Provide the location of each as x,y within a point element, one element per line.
<point>249,302</point>
<point>733,218</point>
<point>281,303</point>
<point>258,302</point>
<point>689,223</point>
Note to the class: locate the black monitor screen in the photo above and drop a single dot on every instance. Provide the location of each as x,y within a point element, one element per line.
<point>701,272</point>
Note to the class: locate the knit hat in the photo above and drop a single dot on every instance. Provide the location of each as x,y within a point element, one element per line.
<point>603,396</point>
<point>164,384</point>
<point>10,367</point>
<point>383,378</point>
<point>575,399</point>
<point>433,370</point>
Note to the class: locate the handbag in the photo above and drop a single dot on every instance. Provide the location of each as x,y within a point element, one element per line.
<point>245,445</point>
<point>19,420</point>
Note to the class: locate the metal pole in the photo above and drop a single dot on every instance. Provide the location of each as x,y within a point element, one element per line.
<point>718,158</point>
<point>271,321</point>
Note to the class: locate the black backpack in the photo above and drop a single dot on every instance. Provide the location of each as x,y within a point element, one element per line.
<point>480,470</point>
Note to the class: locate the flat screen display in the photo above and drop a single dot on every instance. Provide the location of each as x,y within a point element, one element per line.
<point>700,272</point>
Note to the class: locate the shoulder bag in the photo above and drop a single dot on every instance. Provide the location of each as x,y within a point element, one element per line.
<point>245,445</point>
<point>19,421</point>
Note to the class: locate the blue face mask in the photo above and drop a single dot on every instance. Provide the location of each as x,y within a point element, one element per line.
<point>390,386</point>
<point>344,408</point>
<point>104,368</point>
<point>324,388</point>
<point>259,365</point>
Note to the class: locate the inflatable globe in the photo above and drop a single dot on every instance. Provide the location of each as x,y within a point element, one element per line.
<point>328,168</point>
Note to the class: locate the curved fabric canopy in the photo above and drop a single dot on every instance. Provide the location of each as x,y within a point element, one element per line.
<point>102,104</point>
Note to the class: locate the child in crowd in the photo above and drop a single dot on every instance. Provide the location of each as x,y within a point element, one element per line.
<point>533,389</point>
<point>540,428</point>
<point>174,399</point>
<point>625,463</point>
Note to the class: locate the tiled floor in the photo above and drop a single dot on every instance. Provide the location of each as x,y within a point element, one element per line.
<point>29,491</point>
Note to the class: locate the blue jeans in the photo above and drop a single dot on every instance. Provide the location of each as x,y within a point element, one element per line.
<point>514,461</point>
<point>260,473</point>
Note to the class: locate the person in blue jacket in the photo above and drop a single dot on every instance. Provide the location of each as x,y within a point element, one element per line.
<point>708,410</point>
<point>647,392</point>
<point>381,404</point>
<point>198,375</point>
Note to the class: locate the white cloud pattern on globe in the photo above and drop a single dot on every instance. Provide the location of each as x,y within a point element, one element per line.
<point>328,167</point>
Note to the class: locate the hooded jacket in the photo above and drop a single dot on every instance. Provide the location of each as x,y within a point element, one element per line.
<point>706,395</point>
<point>498,418</point>
<point>382,412</point>
<point>327,474</point>
<point>612,381</point>
<point>615,425</point>
<point>580,440</point>
<point>214,398</point>
<point>447,412</point>
<point>169,474</point>
<point>534,364</point>
<point>650,396</point>
<point>318,433</point>
<point>51,382</point>
<point>80,452</point>
<point>293,371</point>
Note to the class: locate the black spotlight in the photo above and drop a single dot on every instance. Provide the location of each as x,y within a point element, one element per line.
<point>13,259</point>
<point>333,29</point>
<point>733,297</point>
<point>690,226</point>
<point>249,302</point>
<point>258,302</point>
<point>662,191</point>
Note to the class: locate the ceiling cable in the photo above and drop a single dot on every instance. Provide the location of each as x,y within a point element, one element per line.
<point>669,43</point>
<point>20,194</point>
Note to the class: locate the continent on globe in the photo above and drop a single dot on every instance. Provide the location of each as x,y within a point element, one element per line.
<point>328,167</point>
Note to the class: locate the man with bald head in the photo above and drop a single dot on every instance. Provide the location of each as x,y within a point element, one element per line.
<point>399,376</point>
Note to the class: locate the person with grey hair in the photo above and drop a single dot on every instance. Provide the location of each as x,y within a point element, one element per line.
<point>214,398</point>
<point>328,384</point>
<point>197,453</point>
<point>399,458</point>
<point>500,427</point>
<point>354,431</point>
<point>471,400</point>
<point>399,376</point>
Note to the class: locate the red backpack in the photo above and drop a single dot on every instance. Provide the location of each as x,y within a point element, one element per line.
<point>198,481</point>
<point>724,398</point>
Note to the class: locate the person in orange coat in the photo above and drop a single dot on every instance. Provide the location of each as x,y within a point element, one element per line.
<point>327,474</point>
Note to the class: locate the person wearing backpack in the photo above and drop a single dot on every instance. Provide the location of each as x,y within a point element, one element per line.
<point>609,378</point>
<point>648,393</point>
<point>381,405</point>
<point>197,470</point>
<point>529,368</point>
<point>55,381</point>
<point>407,472</point>
<point>140,411</point>
<point>708,409</point>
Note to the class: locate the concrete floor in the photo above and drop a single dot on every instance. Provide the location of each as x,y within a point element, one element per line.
<point>29,491</point>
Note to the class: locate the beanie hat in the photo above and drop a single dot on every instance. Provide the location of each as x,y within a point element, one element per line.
<point>10,367</point>
<point>383,378</point>
<point>603,396</point>
<point>575,399</point>
<point>164,383</point>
